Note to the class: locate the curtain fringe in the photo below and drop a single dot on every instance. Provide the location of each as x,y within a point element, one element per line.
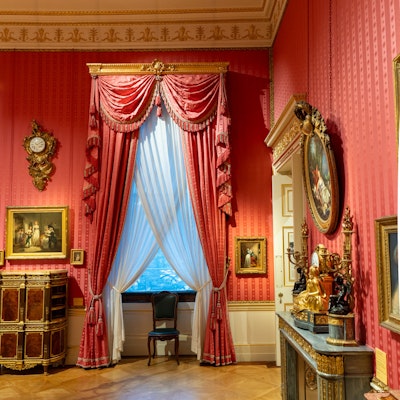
<point>92,181</point>
<point>127,127</point>
<point>87,363</point>
<point>186,125</point>
<point>90,170</point>
<point>92,141</point>
<point>89,190</point>
<point>223,174</point>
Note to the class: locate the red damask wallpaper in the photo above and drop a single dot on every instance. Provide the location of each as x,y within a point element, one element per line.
<point>343,62</point>
<point>53,88</point>
<point>338,52</point>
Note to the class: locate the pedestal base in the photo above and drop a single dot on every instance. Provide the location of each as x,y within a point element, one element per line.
<point>342,372</point>
<point>314,321</point>
<point>341,330</point>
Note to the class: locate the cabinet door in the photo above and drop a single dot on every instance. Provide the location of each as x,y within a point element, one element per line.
<point>10,305</point>
<point>34,344</point>
<point>11,345</point>
<point>57,342</point>
<point>35,304</point>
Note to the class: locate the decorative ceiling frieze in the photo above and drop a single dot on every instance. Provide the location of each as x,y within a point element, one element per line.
<point>105,25</point>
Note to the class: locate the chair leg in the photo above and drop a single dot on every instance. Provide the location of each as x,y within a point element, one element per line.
<point>177,349</point>
<point>148,349</point>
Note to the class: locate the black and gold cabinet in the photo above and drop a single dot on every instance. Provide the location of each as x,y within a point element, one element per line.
<point>33,324</point>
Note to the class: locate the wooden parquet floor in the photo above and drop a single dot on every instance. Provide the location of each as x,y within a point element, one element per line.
<point>133,379</point>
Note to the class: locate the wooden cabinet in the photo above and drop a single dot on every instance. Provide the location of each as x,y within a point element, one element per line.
<point>313,369</point>
<point>33,318</point>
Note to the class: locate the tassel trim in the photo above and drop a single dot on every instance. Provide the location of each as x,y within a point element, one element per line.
<point>186,125</point>
<point>130,126</point>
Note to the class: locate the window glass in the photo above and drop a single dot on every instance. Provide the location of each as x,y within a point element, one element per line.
<point>158,276</point>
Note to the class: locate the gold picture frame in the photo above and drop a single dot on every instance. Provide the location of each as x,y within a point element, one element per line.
<point>36,232</point>
<point>1,258</point>
<point>319,168</point>
<point>396,70</point>
<point>250,255</point>
<point>388,272</point>
<point>77,257</point>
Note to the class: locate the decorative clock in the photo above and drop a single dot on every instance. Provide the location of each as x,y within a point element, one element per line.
<point>40,146</point>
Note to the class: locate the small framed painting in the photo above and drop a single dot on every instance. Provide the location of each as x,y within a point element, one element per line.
<point>251,255</point>
<point>77,257</point>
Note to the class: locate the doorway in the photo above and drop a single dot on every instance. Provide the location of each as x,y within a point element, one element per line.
<point>287,206</point>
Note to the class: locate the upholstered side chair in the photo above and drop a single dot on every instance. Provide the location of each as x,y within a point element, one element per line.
<point>165,310</point>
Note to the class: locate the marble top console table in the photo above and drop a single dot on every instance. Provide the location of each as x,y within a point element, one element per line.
<point>313,369</point>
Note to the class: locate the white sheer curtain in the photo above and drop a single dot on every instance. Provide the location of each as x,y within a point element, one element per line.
<point>163,189</point>
<point>136,250</point>
<point>163,195</point>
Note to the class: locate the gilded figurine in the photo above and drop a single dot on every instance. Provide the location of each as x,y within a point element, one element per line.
<point>314,298</point>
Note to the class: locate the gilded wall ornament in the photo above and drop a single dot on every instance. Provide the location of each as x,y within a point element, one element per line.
<point>40,146</point>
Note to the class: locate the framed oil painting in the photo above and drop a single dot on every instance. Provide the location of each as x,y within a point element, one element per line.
<point>319,169</point>
<point>36,232</point>
<point>77,257</point>
<point>388,272</point>
<point>250,255</point>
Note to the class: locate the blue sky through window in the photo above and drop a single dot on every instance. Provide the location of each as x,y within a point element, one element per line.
<point>158,276</point>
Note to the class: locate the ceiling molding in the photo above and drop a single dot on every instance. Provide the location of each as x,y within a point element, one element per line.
<point>245,24</point>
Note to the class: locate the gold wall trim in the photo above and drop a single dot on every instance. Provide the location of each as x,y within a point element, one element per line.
<point>157,67</point>
<point>396,69</point>
<point>76,311</point>
<point>251,306</point>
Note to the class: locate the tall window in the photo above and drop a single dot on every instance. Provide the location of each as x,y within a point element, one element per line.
<point>160,224</point>
<point>158,276</point>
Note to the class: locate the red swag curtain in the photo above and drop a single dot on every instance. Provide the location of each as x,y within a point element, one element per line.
<point>211,195</point>
<point>119,105</point>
